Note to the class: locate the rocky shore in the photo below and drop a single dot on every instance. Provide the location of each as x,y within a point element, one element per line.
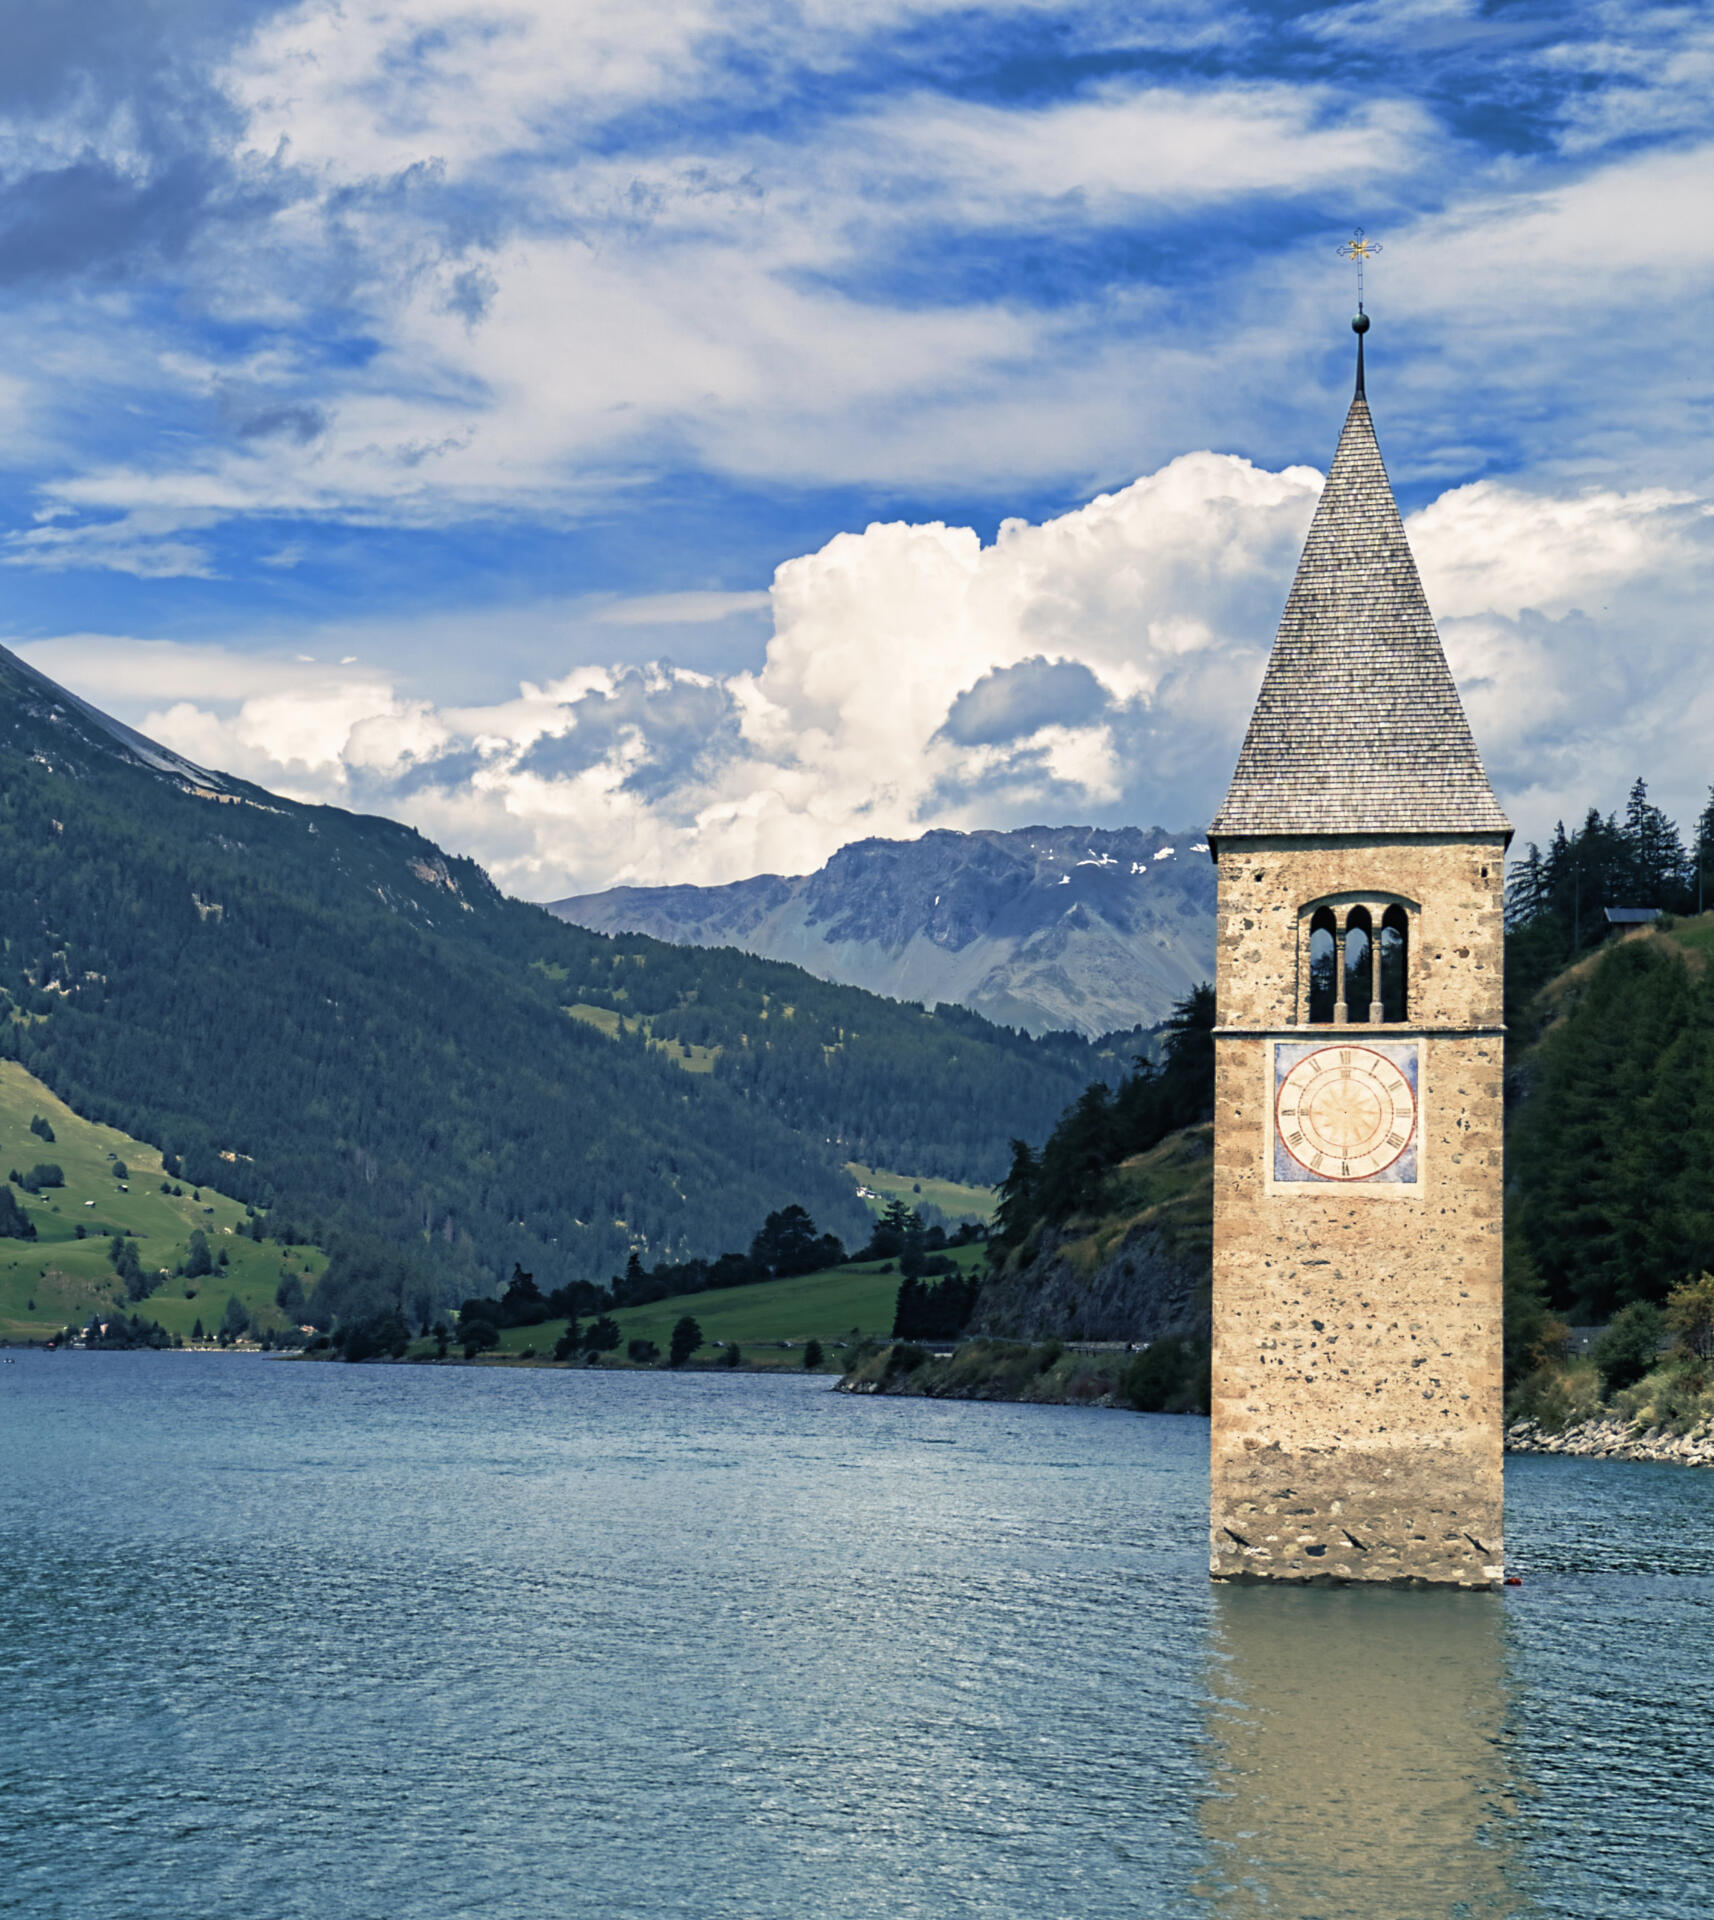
<point>1615,1439</point>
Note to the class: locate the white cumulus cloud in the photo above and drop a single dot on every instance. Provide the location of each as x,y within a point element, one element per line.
<point>1097,666</point>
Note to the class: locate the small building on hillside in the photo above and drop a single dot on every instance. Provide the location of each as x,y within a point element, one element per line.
<point>1625,920</point>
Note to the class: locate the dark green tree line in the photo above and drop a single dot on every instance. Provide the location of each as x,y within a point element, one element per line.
<point>1105,1125</point>
<point>1556,899</point>
<point>328,1017</point>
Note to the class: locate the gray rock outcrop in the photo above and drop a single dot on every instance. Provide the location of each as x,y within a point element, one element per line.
<point>1091,929</point>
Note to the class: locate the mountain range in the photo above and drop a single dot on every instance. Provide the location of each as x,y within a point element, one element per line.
<point>325,1014</point>
<point>1086,929</point>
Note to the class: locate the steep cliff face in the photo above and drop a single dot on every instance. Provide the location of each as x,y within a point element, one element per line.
<point>1082,928</point>
<point>1138,1269</point>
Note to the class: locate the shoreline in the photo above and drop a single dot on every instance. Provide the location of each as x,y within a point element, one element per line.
<point>1609,1437</point>
<point>1612,1438</point>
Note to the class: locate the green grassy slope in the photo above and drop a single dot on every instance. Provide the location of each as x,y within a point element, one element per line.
<point>822,1306</point>
<point>68,1279</point>
<point>398,1049</point>
<point>955,1199</point>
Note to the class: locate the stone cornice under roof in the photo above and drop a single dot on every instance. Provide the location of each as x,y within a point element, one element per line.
<point>1358,727</point>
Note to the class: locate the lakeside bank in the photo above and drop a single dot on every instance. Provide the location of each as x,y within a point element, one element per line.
<point>1169,1375</point>
<point>1614,1438</point>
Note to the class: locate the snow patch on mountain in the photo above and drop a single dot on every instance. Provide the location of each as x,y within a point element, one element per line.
<point>978,919</point>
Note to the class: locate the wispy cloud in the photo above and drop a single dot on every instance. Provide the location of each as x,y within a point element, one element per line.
<point>502,341</point>
<point>145,543</point>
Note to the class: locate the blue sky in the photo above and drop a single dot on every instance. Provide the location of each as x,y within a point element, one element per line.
<point>626,439</point>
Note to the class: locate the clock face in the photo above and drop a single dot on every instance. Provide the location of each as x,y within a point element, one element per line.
<point>1345,1113</point>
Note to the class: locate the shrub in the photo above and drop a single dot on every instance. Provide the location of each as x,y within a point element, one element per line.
<point>1629,1346</point>
<point>1677,1396</point>
<point>40,1128</point>
<point>993,1369</point>
<point>1557,1395</point>
<point>1690,1316</point>
<point>377,1336</point>
<point>904,1357</point>
<point>686,1338</point>
<point>643,1352</point>
<point>1170,1375</point>
<point>477,1336</point>
<point>121,1171</point>
<point>602,1336</point>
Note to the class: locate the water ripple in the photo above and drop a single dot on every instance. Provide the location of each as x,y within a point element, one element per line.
<point>363,1642</point>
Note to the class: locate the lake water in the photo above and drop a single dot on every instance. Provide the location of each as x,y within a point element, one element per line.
<point>283,1640</point>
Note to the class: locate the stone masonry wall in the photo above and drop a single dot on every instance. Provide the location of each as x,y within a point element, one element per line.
<point>1357,1334</point>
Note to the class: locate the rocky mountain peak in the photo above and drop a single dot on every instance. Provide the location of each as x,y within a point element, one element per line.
<point>1088,928</point>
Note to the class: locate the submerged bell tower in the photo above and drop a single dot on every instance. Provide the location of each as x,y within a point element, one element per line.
<point>1356,1431</point>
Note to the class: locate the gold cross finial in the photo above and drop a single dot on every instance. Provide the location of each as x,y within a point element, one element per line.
<point>1358,249</point>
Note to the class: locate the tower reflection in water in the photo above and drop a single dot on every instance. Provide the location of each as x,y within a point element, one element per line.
<point>1360,1756</point>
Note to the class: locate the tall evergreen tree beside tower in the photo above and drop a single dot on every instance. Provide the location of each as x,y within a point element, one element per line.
<point>1656,853</point>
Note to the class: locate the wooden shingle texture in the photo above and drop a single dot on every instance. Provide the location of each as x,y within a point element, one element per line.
<point>1358,727</point>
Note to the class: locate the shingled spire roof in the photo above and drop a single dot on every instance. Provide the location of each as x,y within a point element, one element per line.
<point>1358,727</point>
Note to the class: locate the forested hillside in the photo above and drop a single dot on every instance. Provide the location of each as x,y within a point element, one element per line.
<point>342,1020</point>
<point>1555,899</point>
<point>888,1084</point>
<point>1610,1147</point>
<point>1610,1133</point>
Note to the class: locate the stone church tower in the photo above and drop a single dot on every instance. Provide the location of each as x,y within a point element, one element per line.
<point>1357,1176</point>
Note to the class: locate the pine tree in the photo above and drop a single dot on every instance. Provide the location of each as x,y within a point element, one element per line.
<point>1526,888</point>
<point>1017,1208</point>
<point>15,1222</point>
<point>1704,856</point>
<point>1655,852</point>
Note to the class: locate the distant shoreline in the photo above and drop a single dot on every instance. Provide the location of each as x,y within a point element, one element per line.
<point>1611,1438</point>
